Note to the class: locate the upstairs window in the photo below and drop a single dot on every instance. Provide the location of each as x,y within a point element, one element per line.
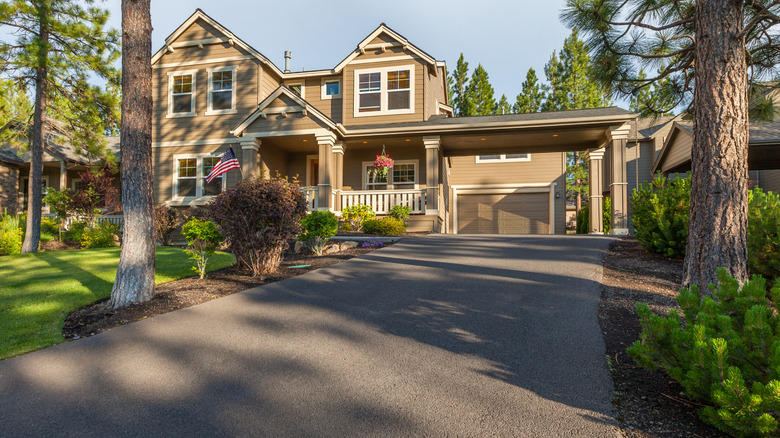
<point>181,100</point>
<point>503,158</point>
<point>382,91</point>
<point>331,89</point>
<point>222,91</point>
<point>296,88</point>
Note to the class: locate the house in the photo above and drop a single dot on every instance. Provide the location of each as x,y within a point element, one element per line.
<point>486,174</point>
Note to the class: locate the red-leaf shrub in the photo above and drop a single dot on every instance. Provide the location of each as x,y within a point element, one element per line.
<point>257,217</point>
<point>165,219</point>
<point>97,192</point>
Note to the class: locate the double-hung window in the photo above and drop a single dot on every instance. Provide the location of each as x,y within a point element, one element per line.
<point>222,91</point>
<point>381,91</point>
<point>403,175</point>
<point>190,176</point>
<point>181,98</point>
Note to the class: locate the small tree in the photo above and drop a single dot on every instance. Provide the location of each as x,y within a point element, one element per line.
<point>257,217</point>
<point>164,223</point>
<point>318,228</point>
<point>203,238</point>
<point>97,192</point>
<point>61,204</point>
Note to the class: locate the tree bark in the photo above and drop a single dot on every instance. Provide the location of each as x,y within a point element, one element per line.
<point>135,273</point>
<point>717,227</point>
<point>32,234</point>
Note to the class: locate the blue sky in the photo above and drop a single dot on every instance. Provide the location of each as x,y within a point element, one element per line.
<point>506,37</point>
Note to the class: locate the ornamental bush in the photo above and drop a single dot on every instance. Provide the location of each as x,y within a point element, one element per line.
<point>401,212</point>
<point>724,350</point>
<point>660,215</point>
<point>388,226</point>
<point>165,219</point>
<point>203,238</point>
<point>764,234</point>
<point>257,217</point>
<point>354,215</point>
<point>102,235</point>
<point>318,228</point>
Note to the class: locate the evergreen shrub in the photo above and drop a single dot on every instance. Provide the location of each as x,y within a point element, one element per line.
<point>388,226</point>
<point>203,239</point>
<point>354,215</point>
<point>660,215</point>
<point>257,217</point>
<point>764,234</point>
<point>583,217</point>
<point>318,228</point>
<point>724,350</point>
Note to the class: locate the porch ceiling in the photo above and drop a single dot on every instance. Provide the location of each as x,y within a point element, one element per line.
<point>292,143</point>
<point>523,141</point>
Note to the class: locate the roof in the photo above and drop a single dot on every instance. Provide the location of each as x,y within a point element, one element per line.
<point>8,155</point>
<point>646,127</point>
<point>282,90</point>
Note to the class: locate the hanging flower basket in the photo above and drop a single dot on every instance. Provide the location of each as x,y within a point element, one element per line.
<point>381,164</point>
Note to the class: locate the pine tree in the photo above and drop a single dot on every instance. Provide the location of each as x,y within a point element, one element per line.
<point>531,97</point>
<point>503,106</point>
<point>580,90</point>
<point>652,99</point>
<point>555,88</point>
<point>480,94</point>
<point>15,113</point>
<point>59,45</point>
<point>458,81</point>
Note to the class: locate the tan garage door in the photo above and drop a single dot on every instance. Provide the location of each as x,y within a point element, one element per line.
<point>514,213</point>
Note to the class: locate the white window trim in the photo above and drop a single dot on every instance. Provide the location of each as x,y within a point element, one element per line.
<point>502,159</point>
<point>323,91</point>
<point>73,183</point>
<point>390,185</point>
<point>193,104</point>
<point>303,88</point>
<point>198,176</point>
<point>233,109</point>
<point>383,111</point>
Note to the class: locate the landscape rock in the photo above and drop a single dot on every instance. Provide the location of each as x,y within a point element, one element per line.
<point>330,249</point>
<point>349,244</point>
<point>299,247</point>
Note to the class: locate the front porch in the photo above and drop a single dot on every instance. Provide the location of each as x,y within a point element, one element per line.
<point>381,201</point>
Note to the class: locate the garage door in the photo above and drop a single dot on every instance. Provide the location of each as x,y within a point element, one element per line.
<point>513,213</point>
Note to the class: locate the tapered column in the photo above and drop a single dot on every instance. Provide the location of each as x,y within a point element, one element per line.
<point>596,181</point>
<point>325,183</point>
<point>250,158</point>
<point>618,187</point>
<point>338,172</point>
<point>432,147</point>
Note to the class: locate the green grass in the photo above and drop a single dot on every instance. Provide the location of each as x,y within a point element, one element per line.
<point>38,291</point>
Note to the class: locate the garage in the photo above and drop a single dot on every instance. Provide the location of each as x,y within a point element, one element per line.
<point>515,212</point>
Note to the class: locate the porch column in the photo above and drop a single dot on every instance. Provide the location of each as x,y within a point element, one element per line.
<point>250,150</point>
<point>596,181</point>
<point>338,172</point>
<point>63,175</point>
<point>325,142</point>
<point>432,146</point>
<point>618,187</point>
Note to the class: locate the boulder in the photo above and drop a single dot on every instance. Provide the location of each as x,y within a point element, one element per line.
<point>300,247</point>
<point>349,244</point>
<point>330,249</point>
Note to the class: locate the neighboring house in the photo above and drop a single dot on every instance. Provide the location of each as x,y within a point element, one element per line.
<point>763,153</point>
<point>9,181</point>
<point>488,174</point>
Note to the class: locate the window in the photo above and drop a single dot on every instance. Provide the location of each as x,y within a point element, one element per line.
<point>296,88</point>
<point>181,101</point>
<point>384,91</point>
<point>26,192</point>
<point>190,177</point>
<point>222,91</point>
<point>403,175</point>
<point>503,158</point>
<point>331,89</point>
<point>375,181</point>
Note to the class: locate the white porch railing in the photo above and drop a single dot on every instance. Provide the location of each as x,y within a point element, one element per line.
<point>116,219</point>
<point>312,197</point>
<point>383,200</point>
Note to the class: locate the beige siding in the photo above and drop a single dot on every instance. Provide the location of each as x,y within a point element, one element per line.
<point>312,93</point>
<point>277,122</point>
<point>164,167</point>
<point>274,161</point>
<point>354,159</point>
<point>769,180</point>
<point>296,166</point>
<point>679,151</point>
<point>435,91</point>
<point>639,163</point>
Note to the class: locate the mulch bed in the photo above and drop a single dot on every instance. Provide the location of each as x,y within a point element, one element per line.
<point>187,292</point>
<point>650,404</point>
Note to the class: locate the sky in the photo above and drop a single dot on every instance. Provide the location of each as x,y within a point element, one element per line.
<point>506,37</point>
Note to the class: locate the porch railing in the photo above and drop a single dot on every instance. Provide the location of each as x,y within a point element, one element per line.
<point>383,200</point>
<point>116,219</point>
<point>312,197</point>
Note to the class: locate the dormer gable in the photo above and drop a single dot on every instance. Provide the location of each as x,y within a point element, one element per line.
<point>283,103</point>
<point>383,39</point>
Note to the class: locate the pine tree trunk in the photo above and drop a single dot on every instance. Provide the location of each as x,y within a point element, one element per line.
<point>717,228</point>
<point>135,274</point>
<point>32,234</point>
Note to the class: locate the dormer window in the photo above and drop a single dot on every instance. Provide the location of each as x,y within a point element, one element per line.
<point>222,91</point>
<point>383,91</point>
<point>181,96</point>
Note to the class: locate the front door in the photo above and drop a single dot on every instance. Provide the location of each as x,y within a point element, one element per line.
<point>315,172</point>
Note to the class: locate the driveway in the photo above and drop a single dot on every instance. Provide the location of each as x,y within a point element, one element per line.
<point>434,336</point>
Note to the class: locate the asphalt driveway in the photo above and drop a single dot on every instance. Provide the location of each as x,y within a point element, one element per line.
<point>435,336</point>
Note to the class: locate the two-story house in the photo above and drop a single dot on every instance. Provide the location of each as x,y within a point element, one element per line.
<point>488,174</point>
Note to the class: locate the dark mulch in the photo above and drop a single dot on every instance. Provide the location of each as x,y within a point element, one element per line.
<point>650,404</point>
<point>187,292</point>
<point>56,245</point>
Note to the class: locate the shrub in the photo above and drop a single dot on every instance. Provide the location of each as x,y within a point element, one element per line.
<point>583,217</point>
<point>660,215</point>
<point>61,204</point>
<point>164,223</point>
<point>97,191</point>
<point>102,235</point>
<point>203,238</point>
<point>355,215</point>
<point>49,225</point>
<point>76,231</point>
<point>401,212</point>
<point>318,228</point>
<point>724,351</point>
<point>10,234</point>
<point>764,234</point>
<point>257,217</point>
<point>388,226</point>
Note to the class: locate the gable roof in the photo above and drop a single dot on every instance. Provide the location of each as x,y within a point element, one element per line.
<point>384,29</point>
<point>7,155</point>
<point>304,107</point>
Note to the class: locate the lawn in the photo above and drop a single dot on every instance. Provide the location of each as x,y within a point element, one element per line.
<point>38,291</point>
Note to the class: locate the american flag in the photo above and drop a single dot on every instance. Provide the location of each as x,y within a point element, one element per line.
<point>228,162</point>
